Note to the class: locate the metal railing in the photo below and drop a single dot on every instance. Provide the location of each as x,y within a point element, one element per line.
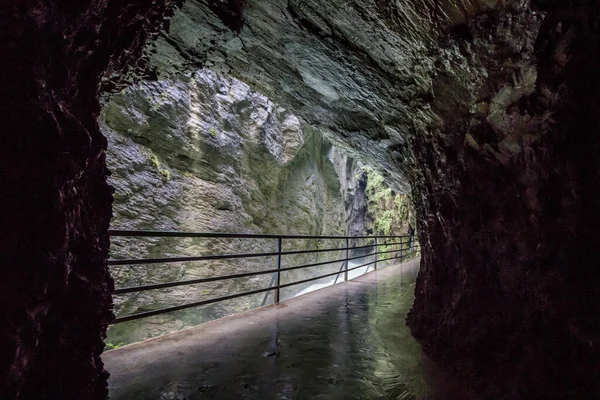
<point>403,246</point>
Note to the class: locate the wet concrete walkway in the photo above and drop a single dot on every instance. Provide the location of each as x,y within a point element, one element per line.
<point>348,341</point>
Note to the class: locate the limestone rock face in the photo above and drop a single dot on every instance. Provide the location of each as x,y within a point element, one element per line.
<point>371,75</point>
<point>487,109</point>
<point>358,70</point>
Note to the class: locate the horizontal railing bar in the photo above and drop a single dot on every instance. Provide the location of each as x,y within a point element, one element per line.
<point>321,277</point>
<point>390,251</point>
<point>233,296</point>
<point>412,252</point>
<point>187,258</point>
<point>184,306</point>
<point>190,282</point>
<point>226,277</point>
<point>326,262</point>
<point>147,233</point>
<point>221,256</point>
<point>339,272</point>
<point>385,244</point>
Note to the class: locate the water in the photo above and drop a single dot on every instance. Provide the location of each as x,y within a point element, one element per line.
<point>354,273</point>
<point>348,341</point>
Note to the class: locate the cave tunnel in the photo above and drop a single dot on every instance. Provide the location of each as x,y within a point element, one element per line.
<point>486,111</point>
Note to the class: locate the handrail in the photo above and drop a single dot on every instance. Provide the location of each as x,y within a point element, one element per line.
<point>413,247</point>
<point>227,256</point>
<point>242,275</point>
<point>148,233</point>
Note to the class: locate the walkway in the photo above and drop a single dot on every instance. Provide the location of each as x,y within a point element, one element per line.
<point>348,341</point>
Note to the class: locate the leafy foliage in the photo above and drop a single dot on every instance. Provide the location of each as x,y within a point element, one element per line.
<point>111,346</point>
<point>155,162</point>
<point>390,211</point>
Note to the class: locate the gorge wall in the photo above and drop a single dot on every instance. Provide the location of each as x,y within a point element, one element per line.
<point>503,186</point>
<point>206,153</point>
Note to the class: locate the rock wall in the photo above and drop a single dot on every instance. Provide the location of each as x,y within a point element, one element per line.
<point>488,107</point>
<point>206,153</point>
<point>503,191</point>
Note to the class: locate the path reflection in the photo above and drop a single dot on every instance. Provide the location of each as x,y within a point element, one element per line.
<point>344,342</point>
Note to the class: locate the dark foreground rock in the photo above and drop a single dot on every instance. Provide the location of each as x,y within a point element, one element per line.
<point>55,203</point>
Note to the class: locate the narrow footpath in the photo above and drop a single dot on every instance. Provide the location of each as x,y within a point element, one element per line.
<point>347,341</point>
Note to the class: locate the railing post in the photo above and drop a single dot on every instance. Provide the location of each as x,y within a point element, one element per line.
<point>376,255</point>
<point>267,293</point>
<point>278,266</point>
<point>401,242</point>
<point>347,257</point>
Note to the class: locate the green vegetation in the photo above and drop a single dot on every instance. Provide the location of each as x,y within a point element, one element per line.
<point>159,101</point>
<point>121,195</point>
<point>110,346</point>
<point>166,174</point>
<point>213,132</point>
<point>154,161</point>
<point>384,223</point>
<point>390,211</point>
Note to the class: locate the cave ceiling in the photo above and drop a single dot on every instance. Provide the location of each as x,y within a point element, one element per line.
<point>363,72</point>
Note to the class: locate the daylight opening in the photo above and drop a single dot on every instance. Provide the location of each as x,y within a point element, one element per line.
<point>206,154</point>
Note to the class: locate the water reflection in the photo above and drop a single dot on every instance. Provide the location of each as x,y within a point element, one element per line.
<point>345,342</point>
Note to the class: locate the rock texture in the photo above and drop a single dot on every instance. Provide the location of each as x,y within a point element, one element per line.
<point>205,153</point>
<point>54,200</point>
<point>488,109</point>
<point>503,186</point>
<point>358,85</point>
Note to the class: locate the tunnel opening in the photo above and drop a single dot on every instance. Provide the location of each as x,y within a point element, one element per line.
<point>452,98</point>
<point>204,153</point>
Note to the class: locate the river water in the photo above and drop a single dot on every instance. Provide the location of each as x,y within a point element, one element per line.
<point>349,341</point>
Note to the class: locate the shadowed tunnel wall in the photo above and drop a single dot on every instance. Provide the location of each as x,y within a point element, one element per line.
<point>55,204</point>
<point>509,289</point>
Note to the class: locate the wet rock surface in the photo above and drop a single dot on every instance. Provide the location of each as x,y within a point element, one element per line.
<point>489,108</point>
<point>514,277</point>
<point>54,199</point>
